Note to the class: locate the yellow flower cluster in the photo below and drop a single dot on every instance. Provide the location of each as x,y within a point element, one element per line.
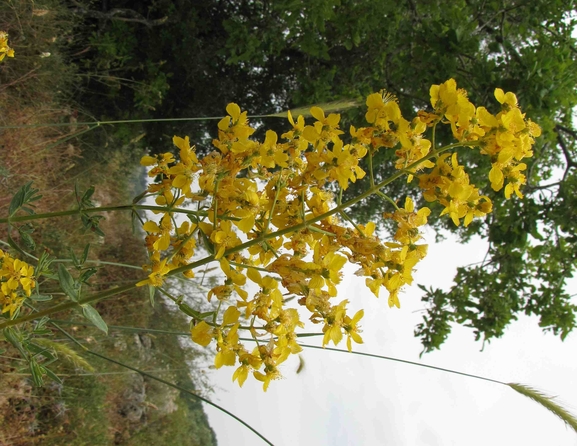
<point>270,213</point>
<point>16,282</point>
<point>506,138</point>
<point>5,50</point>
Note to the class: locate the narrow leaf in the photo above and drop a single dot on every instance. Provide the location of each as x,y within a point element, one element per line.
<point>189,311</point>
<point>52,375</point>
<point>41,297</point>
<point>36,371</point>
<point>87,195</point>
<point>18,200</point>
<point>27,239</point>
<point>15,246</point>
<point>151,293</point>
<point>85,253</point>
<point>67,283</point>
<point>12,337</point>
<point>93,316</point>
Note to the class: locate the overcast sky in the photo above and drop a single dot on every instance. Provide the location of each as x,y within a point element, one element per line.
<point>341,399</point>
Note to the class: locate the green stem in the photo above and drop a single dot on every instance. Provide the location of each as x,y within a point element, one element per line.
<point>350,220</point>
<point>125,207</point>
<point>371,174</point>
<point>66,138</point>
<point>315,347</point>
<point>128,121</point>
<point>97,262</point>
<point>387,198</point>
<point>100,262</point>
<point>157,331</point>
<point>404,361</point>
<point>242,265</point>
<point>156,378</point>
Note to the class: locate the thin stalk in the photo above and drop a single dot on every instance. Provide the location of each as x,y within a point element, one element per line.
<point>66,138</point>
<point>124,207</point>
<point>328,106</point>
<point>371,174</point>
<point>404,361</point>
<point>242,265</point>
<point>97,262</point>
<point>350,220</point>
<point>387,198</point>
<point>100,262</point>
<point>128,121</point>
<point>539,397</point>
<point>157,331</point>
<point>156,378</point>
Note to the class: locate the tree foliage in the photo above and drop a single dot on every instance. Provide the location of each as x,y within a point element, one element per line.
<point>273,55</point>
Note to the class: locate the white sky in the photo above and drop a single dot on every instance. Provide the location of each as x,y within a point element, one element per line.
<point>342,399</point>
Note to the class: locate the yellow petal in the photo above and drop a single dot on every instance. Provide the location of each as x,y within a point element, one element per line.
<point>233,110</point>
<point>230,316</point>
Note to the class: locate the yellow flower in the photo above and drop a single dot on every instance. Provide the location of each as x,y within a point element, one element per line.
<point>202,333</point>
<point>352,330</point>
<point>12,302</point>
<point>236,124</point>
<point>224,237</point>
<point>248,361</point>
<point>508,100</point>
<point>184,171</point>
<point>226,347</point>
<point>324,129</point>
<point>5,50</point>
<point>156,277</point>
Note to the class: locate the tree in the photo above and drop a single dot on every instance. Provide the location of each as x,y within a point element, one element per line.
<point>272,55</point>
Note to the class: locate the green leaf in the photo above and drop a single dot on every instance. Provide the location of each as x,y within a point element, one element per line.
<point>189,311</point>
<point>67,283</point>
<point>41,297</point>
<point>88,194</point>
<point>25,195</point>
<point>93,316</point>
<point>151,293</point>
<point>85,253</point>
<point>27,239</point>
<point>37,372</point>
<point>15,246</point>
<point>86,274</point>
<point>12,337</point>
<point>18,200</point>
<point>43,267</point>
<point>52,375</point>
<point>39,350</point>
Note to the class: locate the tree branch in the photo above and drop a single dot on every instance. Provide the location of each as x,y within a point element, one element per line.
<point>120,14</point>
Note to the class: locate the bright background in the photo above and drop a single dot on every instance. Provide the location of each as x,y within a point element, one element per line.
<point>344,399</point>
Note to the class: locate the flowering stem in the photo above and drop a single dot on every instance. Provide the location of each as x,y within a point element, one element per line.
<point>261,239</point>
